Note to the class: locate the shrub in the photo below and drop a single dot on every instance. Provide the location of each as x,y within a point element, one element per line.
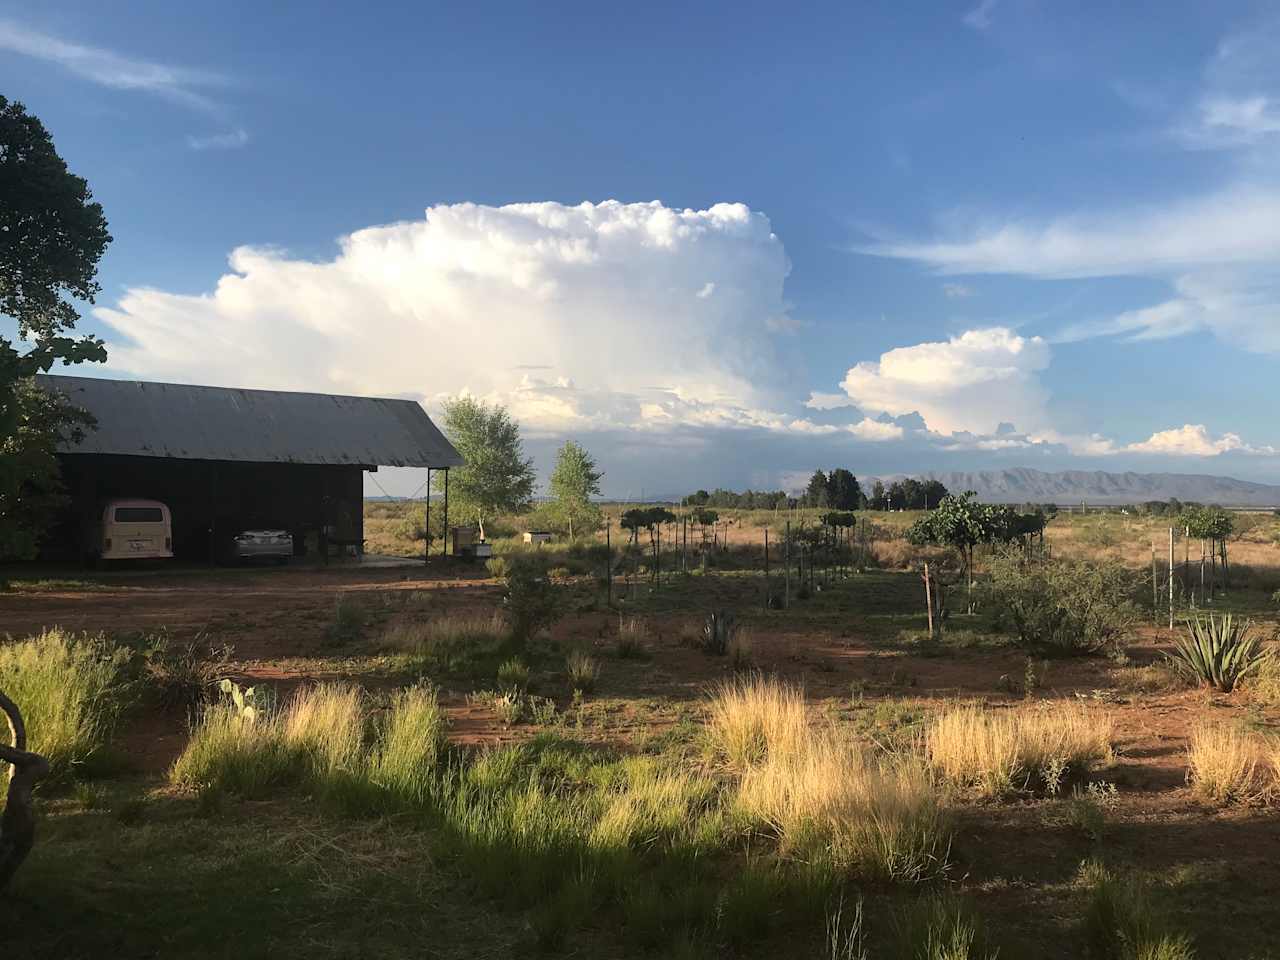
<point>531,602</point>
<point>583,671</point>
<point>1122,923</point>
<point>349,619</point>
<point>1227,764</point>
<point>717,631</point>
<point>994,754</point>
<point>180,674</point>
<point>740,648</point>
<point>1063,606</point>
<point>1219,651</point>
<point>71,690</point>
<point>751,718</point>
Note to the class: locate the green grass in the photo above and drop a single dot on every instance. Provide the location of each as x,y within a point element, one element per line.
<point>71,690</point>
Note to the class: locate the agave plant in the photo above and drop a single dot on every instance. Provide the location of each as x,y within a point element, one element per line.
<point>1219,651</point>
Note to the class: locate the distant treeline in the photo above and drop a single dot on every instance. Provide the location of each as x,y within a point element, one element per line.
<point>834,490</point>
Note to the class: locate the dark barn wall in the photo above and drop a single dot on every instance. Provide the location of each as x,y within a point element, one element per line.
<point>224,497</point>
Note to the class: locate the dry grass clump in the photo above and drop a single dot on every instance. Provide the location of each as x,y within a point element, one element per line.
<point>996,753</point>
<point>823,797</point>
<point>753,718</point>
<point>831,804</point>
<point>326,724</point>
<point>633,638</point>
<point>583,671</point>
<point>1227,764</point>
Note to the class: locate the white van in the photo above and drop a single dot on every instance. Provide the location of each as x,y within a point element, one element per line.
<point>136,530</point>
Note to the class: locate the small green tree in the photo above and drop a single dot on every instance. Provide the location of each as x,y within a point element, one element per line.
<point>52,236</point>
<point>574,481</point>
<point>960,523</point>
<point>497,477</point>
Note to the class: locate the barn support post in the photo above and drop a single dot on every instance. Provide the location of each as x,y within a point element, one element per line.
<point>213,513</point>
<point>426,523</point>
<point>444,549</point>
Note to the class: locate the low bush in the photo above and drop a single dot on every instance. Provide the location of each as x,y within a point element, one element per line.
<point>1031,749</point>
<point>1063,607</point>
<point>1219,651</point>
<point>184,674</point>
<point>531,602</point>
<point>71,690</point>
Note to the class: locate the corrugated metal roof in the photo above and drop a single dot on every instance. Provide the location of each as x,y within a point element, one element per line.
<point>142,419</point>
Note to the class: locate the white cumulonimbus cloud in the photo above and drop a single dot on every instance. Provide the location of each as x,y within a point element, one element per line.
<point>970,383</point>
<point>1194,440</point>
<point>596,316</point>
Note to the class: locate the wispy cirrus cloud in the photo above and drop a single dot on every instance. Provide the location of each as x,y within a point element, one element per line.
<point>185,86</point>
<point>979,18</point>
<point>231,140</point>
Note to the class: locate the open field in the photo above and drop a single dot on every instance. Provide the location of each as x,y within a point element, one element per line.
<point>677,803</point>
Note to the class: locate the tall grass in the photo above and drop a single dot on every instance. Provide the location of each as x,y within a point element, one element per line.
<point>1122,922</point>
<point>997,753</point>
<point>1227,764</point>
<point>833,806</point>
<point>408,745</point>
<point>71,690</point>
<point>445,643</point>
<point>752,718</point>
<point>324,739</point>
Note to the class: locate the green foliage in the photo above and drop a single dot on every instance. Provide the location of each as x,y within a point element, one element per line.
<point>51,238</point>
<point>960,522</point>
<point>1206,523</point>
<point>1219,652</point>
<point>31,491</point>
<point>574,481</point>
<point>531,601</point>
<point>839,518</point>
<point>497,477</point>
<point>1063,606</point>
<point>71,690</point>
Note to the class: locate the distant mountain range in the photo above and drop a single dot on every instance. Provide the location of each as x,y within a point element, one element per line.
<point>1023,485</point>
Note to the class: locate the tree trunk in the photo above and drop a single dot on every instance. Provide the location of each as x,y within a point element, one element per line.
<point>18,822</point>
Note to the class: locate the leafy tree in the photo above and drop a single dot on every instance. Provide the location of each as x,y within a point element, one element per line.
<point>497,478</point>
<point>816,493</point>
<point>843,492</point>
<point>574,481</point>
<point>879,497</point>
<point>934,492</point>
<point>961,523</point>
<point>52,236</point>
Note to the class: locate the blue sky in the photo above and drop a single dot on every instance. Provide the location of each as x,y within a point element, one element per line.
<point>897,237</point>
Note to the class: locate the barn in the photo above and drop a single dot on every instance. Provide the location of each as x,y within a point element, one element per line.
<point>225,460</point>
